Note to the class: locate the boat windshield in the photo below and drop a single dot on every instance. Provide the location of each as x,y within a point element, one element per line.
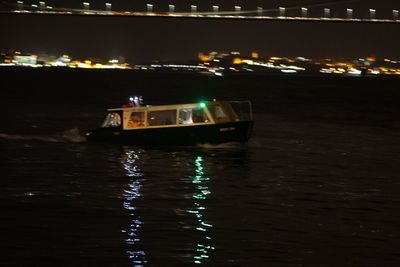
<point>228,111</point>
<point>112,119</point>
<point>222,112</point>
<point>242,109</point>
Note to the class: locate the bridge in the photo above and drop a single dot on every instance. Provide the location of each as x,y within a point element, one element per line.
<point>276,14</point>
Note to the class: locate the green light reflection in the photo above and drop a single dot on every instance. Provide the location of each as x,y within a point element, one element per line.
<point>202,192</point>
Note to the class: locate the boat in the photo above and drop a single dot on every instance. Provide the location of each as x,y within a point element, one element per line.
<point>206,122</point>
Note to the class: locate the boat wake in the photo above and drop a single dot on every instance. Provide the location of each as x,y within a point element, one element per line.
<point>68,136</point>
<point>222,146</point>
<point>252,143</point>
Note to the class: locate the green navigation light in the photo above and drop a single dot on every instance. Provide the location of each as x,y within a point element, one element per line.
<point>202,104</point>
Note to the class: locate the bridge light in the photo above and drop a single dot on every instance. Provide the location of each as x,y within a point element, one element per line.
<point>193,8</point>
<point>259,11</point>
<point>149,8</point>
<point>304,12</point>
<point>238,8</point>
<point>171,8</point>
<point>395,14</point>
<point>215,8</point>
<point>20,4</point>
<point>372,13</point>
<point>327,13</point>
<point>349,13</point>
<point>42,5</point>
<point>108,6</point>
<point>281,12</point>
<point>86,5</point>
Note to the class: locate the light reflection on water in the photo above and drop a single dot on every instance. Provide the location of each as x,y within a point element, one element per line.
<point>131,194</point>
<point>197,176</point>
<point>202,192</point>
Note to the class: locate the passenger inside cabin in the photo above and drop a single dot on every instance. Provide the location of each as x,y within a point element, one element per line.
<point>136,120</point>
<point>161,117</point>
<point>198,116</point>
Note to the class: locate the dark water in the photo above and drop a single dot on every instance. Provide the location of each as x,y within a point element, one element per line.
<point>318,184</point>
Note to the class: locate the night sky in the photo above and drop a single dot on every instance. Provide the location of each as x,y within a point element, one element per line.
<point>146,39</point>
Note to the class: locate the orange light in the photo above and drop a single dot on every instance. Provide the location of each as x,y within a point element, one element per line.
<point>237,61</point>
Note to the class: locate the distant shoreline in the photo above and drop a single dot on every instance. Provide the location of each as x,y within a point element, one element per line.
<point>196,73</point>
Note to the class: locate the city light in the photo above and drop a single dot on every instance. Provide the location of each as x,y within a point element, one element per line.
<point>218,64</point>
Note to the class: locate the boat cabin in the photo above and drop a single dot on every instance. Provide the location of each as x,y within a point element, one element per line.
<point>203,113</point>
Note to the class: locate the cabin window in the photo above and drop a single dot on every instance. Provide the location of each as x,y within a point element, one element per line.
<point>192,115</point>
<point>112,120</point>
<point>222,112</point>
<point>137,119</point>
<point>162,117</point>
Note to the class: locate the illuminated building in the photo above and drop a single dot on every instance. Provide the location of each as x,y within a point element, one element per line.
<point>25,60</point>
<point>205,58</point>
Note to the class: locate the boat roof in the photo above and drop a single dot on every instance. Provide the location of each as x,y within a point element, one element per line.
<point>158,107</point>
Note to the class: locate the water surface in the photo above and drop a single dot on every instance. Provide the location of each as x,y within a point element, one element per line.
<point>317,185</point>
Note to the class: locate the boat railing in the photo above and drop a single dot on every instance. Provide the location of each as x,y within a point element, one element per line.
<point>243,110</point>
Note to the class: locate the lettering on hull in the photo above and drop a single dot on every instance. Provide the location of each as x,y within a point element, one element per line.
<point>227,129</point>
